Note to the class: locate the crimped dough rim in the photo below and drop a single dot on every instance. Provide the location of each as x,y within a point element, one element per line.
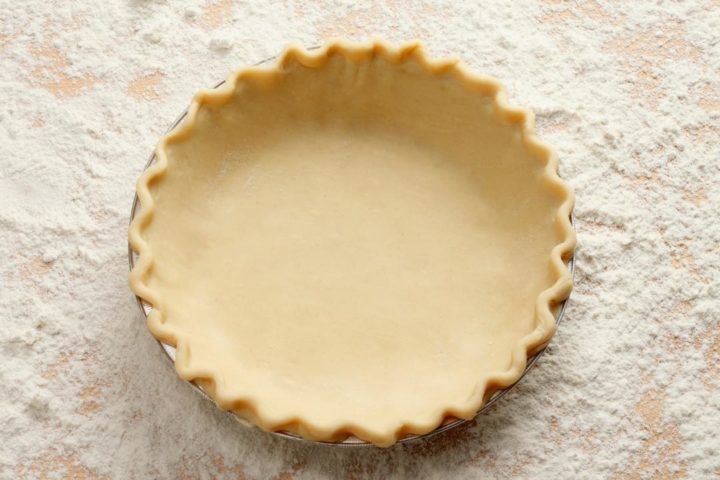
<point>524,348</point>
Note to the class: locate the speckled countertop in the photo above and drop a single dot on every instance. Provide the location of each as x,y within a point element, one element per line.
<point>627,92</point>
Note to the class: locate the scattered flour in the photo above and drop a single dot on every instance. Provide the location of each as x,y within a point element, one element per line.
<point>628,93</point>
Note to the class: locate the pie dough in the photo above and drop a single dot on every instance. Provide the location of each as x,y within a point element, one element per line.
<point>356,241</point>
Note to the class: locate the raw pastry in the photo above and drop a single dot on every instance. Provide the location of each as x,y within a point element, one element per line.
<point>355,241</point>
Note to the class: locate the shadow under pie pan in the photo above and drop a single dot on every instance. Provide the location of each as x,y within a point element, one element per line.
<point>353,245</point>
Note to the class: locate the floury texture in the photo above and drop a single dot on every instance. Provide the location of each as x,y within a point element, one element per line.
<point>628,93</point>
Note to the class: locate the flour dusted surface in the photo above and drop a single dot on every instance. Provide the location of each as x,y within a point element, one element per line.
<point>627,93</point>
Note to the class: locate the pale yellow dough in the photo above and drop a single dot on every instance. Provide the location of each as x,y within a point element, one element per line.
<point>355,242</point>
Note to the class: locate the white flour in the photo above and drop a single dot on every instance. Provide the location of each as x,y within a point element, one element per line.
<point>628,93</point>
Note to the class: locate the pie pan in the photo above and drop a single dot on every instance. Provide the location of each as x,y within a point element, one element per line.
<point>551,301</point>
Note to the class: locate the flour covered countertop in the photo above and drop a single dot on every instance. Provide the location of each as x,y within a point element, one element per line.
<point>627,92</point>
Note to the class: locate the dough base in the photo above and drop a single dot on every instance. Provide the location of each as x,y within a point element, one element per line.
<point>352,246</point>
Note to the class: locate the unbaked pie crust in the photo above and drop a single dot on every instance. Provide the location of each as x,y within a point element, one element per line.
<point>355,241</point>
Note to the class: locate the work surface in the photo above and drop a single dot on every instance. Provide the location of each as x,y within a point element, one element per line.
<point>627,92</point>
